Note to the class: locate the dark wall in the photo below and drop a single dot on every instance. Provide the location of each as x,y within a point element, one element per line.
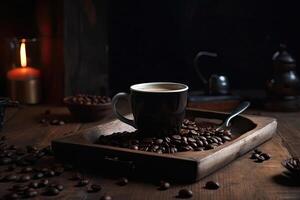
<point>157,40</point>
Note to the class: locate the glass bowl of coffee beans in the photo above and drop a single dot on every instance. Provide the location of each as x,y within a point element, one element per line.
<point>88,108</point>
<point>293,165</point>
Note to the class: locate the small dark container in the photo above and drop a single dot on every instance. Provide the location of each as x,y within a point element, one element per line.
<point>88,113</point>
<point>3,104</point>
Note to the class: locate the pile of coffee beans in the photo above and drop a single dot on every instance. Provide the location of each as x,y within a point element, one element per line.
<point>259,156</point>
<point>83,99</point>
<point>192,137</point>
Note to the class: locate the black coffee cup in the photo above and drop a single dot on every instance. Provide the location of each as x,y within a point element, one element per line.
<point>158,108</point>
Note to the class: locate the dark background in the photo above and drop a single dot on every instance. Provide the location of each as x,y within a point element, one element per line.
<point>142,41</point>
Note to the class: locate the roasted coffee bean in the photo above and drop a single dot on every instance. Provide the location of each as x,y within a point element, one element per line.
<point>266,156</point>
<point>260,159</point>
<point>185,193</point>
<point>34,185</point>
<point>199,149</point>
<point>24,178</point>
<point>83,182</point>
<point>13,196</point>
<point>5,161</point>
<point>122,181</point>
<point>11,177</point>
<point>135,147</point>
<point>59,187</point>
<point>38,175</point>
<point>176,137</point>
<point>164,185</point>
<point>212,185</point>
<point>50,173</point>
<point>19,188</point>
<point>76,176</point>
<point>54,122</point>
<point>106,197</point>
<point>27,169</point>
<point>51,191</point>
<point>31,149</point>
<point>226,138</point>
<point>30,193</point>
<point>43,183</point>
<point>59,170</point>
<point>94,188</point>
<point>159,141</point>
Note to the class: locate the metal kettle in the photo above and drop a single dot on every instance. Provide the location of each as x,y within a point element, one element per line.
<point>217,84</point>
<point>285,81</point>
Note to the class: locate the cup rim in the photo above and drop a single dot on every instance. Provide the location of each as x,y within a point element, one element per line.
<point>137,87</point>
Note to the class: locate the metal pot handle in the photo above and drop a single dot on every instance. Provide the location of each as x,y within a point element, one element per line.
<point>195,63</point>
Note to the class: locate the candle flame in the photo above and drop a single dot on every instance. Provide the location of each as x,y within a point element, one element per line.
<point>23,54</point>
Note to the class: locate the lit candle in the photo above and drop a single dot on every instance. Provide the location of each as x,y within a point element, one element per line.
<point>24,81</point>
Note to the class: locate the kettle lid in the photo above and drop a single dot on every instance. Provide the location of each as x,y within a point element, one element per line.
<point>283,56</point>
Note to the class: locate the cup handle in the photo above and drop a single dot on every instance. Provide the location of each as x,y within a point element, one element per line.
<point>115,110</point>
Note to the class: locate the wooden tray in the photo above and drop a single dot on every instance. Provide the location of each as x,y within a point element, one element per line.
<point>248,132</point>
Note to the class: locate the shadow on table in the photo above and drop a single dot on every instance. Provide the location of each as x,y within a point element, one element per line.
<point>287,179</point>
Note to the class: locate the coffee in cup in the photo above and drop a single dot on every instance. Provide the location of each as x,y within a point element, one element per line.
<point>158,108</point>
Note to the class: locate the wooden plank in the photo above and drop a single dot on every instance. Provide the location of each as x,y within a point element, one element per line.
<point>26,125</point>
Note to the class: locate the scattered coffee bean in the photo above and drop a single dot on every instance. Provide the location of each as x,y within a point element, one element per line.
<point>164,185</point>
<point>94,188</point>
<point>185,193</point>
<point>266,156</point>
<point>106,197</point>
<point>59,170</point>
<point>13,196</point>
<point>123,181</point>
<point>76,176</point>
<point>59,187</point>
<point>259,156</point>
<point>83,182</point>
<point>212,185</point>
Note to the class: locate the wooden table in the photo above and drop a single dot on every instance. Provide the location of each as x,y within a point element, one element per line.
<point>242,179</point>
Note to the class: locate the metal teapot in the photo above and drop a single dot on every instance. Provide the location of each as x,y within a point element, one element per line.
<point>217,84</point>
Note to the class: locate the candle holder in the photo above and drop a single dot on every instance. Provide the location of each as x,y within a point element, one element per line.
<point>23,77</point>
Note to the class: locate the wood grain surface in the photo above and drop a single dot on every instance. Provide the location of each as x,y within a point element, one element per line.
<point>242,179</point>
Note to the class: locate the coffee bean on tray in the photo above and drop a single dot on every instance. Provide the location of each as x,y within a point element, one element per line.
<point>192,137</point>
<point>212,185</point>
<point>185,193</point>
